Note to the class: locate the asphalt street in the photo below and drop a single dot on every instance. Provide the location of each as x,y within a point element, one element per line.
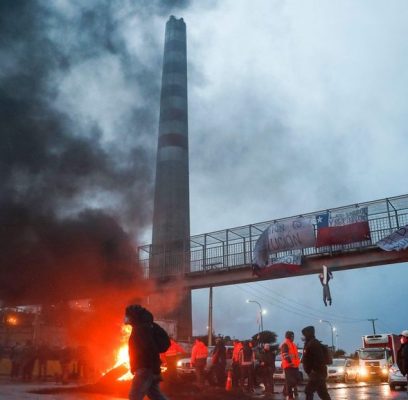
<point>362,391</point>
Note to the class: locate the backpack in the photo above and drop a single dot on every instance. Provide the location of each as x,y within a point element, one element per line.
<point>327,355</point>
<point>161,338</point>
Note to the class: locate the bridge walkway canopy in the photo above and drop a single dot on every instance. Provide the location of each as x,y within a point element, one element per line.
<point>233,248</point>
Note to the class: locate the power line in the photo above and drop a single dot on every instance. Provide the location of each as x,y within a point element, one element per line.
<point>351,319</point>
<point>289,308</point>
<point>317,315</point>
<point>294,308</point>
<point>269,302</point>
<point>385,325</point>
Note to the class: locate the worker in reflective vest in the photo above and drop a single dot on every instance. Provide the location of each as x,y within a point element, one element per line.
<point>235,363</point>
<point>199,354</point>
<point>290,364</point>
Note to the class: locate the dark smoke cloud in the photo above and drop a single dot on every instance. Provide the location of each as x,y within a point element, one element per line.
<point>71,202</point>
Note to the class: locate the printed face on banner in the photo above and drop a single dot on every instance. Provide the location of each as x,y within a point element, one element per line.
<point>296,233</point>
<point>398,240</point>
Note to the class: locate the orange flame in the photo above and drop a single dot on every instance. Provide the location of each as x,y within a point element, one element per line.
<point>122,355</point>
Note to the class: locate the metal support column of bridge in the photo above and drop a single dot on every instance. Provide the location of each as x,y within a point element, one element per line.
<point>171,216</point>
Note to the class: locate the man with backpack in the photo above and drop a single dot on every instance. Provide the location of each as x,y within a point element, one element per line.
<point>146,342</point>
<point>315,360</point>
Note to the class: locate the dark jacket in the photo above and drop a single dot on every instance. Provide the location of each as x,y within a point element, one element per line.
<point>219,356</point>
<point>143,351</point>
<point>313,355</point>
<point>267,359</point>
<point>402,359</point>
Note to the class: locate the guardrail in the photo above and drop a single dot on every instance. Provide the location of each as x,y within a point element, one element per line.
<point>233,248</point>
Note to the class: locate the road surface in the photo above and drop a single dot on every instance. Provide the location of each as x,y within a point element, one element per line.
<point>361,391</point>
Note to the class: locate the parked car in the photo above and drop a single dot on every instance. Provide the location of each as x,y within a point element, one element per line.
<point>343,370</point>
<point>395,378</point>
<point>185,369</point>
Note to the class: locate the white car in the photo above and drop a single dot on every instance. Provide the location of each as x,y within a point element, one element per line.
<point>184,367</point>
<point>395,378</point>
<point>278,374</point>
<point>343,370</point>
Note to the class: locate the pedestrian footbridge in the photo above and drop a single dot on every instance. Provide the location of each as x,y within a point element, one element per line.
<point>225,257</point>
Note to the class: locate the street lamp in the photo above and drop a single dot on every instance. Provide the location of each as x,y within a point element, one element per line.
<point>337,336</point>
<point>260,312</point>
<point>331,329</point>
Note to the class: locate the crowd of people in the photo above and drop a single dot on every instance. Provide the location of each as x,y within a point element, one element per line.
<point>254,363</point>
<point>31,362</point>
<point>246,371</point>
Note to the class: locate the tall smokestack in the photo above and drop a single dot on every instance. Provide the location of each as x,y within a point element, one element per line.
<point>171,217</point>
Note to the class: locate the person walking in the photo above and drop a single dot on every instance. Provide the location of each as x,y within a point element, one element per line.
<point>290,364</point>
<point>199,354</point>
<point>246,366</point>
<point>402,356</point>
<point>315,366</point>
<point>267,368</point>
<point>144,356</point>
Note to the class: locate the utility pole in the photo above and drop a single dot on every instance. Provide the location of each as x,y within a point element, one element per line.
<point>373,322</point>
<point>210,319</point>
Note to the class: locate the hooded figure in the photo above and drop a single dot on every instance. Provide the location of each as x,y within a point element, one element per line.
<point>144,356</point>
<point>314,365</point>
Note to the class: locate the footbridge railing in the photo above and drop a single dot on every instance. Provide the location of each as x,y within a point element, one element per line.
<point>233,248</point>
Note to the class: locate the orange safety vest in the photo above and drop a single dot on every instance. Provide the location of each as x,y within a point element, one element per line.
<point>292,353</point>
<point>235,353</point>
<point>200,350</point>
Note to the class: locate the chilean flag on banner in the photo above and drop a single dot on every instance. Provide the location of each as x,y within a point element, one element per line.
<point>342,228</point>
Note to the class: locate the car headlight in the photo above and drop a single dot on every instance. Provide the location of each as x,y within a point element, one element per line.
<point>363,371</point>
<point>384,371</point>
<point>340,370</point>
<point>179,364</point>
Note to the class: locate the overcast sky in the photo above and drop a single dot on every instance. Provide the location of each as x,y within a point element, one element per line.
<point>297,107</point>
<point>294,107</point>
